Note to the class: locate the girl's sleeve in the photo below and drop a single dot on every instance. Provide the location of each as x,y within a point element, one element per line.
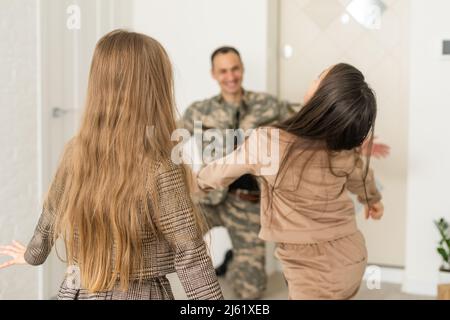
<point>355,183</point>
<point>41,243</point>
<point>247,159</point>
<point>179,228</point>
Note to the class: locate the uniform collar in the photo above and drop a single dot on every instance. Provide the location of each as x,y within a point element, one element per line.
<point>245,98</point>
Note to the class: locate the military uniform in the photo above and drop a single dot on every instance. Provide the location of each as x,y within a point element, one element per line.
<point>237,207</point>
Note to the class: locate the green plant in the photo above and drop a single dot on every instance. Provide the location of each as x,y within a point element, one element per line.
<point>444,243</point>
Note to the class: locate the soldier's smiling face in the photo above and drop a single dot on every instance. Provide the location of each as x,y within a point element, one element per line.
<point>228,71</point>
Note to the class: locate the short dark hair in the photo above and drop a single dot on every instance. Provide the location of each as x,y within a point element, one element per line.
<point>224,50</point>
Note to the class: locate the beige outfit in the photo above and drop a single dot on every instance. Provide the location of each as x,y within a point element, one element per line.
<point>306,209</point>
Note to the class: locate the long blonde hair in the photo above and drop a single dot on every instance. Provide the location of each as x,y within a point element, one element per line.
<point>126,129</point>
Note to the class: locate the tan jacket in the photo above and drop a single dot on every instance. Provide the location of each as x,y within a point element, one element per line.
<point>255,110</point>
<point>309,204</point>
<point>180,248</point>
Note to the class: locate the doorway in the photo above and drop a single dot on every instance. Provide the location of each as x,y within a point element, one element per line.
<point>69,31</point>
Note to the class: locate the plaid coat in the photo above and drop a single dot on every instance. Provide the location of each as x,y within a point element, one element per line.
<point>179,248</point>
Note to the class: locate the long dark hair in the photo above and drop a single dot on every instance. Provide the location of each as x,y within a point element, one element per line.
<point>339,116</point>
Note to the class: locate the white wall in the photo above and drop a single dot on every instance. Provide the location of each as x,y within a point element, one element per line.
<point>429,141</point>
<point>191,30</point>
<point>18,132</point>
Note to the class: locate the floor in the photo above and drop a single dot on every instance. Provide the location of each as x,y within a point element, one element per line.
<point>277,290</point>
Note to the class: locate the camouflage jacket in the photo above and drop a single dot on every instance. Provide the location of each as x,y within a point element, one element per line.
<point>255,110</point>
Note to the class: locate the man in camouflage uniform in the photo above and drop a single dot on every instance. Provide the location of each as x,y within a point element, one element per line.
<point>237,208</point>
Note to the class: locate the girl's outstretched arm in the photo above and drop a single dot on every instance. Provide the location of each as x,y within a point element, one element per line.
<point>247,159</point>
<point>356,185</point>
<point>43,238</point>
<point>42,241</point>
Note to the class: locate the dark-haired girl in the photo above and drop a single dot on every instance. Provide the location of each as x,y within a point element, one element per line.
<point>305,205</point>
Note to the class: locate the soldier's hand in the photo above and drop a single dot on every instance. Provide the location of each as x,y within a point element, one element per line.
<point>378,151</point>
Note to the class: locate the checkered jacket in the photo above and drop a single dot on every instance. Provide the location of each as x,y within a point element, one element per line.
<point>178,248</point>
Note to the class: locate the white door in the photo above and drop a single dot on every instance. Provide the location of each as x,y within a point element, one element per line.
<point>69,31</point>
<point>372,35</point>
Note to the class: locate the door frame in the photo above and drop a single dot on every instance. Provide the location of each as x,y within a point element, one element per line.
<point>108,15</point>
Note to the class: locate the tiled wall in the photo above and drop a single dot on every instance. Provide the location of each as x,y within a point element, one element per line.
<point>321,33</point>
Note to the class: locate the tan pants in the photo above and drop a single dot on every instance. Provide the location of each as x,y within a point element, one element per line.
<point>328,270</point>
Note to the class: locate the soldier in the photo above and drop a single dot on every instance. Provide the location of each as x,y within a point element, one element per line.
<point>237,208</point>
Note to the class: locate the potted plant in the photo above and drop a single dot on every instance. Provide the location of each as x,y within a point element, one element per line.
<point>444,251</point>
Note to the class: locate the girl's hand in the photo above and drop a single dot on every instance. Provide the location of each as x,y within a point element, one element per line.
<point>375,211</point>
<point>16,251</point>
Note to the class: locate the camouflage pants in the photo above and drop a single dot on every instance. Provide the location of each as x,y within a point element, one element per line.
<point>246,272</point>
